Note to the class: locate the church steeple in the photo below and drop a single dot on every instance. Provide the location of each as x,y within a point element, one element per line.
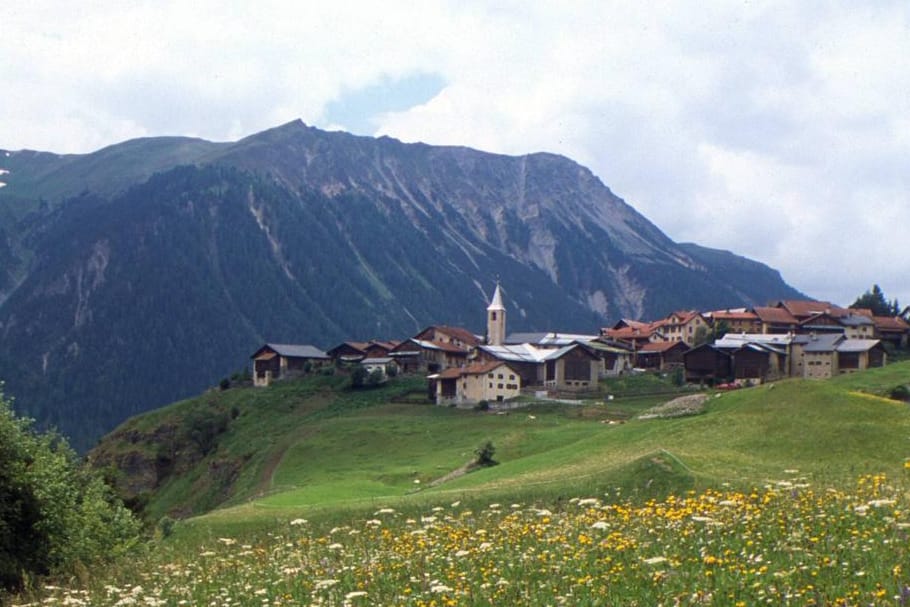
<point>496,319</point>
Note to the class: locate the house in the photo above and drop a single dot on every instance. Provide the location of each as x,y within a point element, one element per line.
<point>573,367</point>
<point>492,381</point>
<point>775,320</point>
<point>788,348</point>
<point>661,356</point>
<point>383,365</point>
<point>737,321</point>
<point>276,361</point>
<point>822,322</point>
<point>434,349</point>
<point>893,330</point>
<point>418,355</point>
<point>683,326</point>
<point>616,357</point>
<point>859,354</point>
<point>802,309</point>
<point>858,326</point>
<point>759,362</point>
<point>354,351</point>
<point>827,355</point>
<point>633,332</point>
<point>708,364</point>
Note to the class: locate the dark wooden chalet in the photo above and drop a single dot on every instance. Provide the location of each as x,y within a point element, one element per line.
<point>759,362</point>
<point>274,361</point>
<point>708,364</point>
<point>661,356</point>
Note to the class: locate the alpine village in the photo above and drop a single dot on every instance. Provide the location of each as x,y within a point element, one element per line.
<point>726,349</point>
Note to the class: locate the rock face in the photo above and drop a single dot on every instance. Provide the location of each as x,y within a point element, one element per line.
<point>146,271</point>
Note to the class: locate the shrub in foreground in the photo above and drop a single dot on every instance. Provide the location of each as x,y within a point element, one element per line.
<point>56,515</point>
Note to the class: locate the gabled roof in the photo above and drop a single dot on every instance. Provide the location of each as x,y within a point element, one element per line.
<point>740,314</point>
<point>733,341</point>
<point>458,333</point>
<point>608,345</point>
<point>548,339</point>
<point>520,353</point>
<point>293,351</point>
<point>856,320</point>
<point>661,347</point>
<point>640,331</point>
<point>857,345</point>
<point>802,308</point>
<point>775,315</point>
<point>557,354</point>
<point>683,316</point>
<point>476,369</point>
<point>438,345</point>
<point>825,342</point>
<point>891,324</point>
<point>763,348</point>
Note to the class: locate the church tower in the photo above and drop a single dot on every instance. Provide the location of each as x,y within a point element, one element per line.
<point>496,319</point>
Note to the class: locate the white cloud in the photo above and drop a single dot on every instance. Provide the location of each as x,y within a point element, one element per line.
<point>778,130</point>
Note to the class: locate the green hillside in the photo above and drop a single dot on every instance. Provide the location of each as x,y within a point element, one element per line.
<point>313,444</point>
<point>789,494</point>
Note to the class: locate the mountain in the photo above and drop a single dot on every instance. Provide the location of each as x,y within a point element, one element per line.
<point>146,271</point>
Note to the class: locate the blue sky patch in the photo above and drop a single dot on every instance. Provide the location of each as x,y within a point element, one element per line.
<point>357,110</point>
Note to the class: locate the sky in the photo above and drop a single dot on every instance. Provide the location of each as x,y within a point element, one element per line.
<point>776,130</point>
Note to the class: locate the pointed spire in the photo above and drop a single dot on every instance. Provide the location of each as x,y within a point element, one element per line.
<point>496,304</point>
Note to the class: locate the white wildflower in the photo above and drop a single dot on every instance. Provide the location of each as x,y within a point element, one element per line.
<point>299,521</point>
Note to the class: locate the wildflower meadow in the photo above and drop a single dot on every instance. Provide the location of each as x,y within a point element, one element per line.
<point>785,543</point>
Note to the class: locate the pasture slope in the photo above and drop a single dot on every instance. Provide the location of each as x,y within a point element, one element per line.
<point>316,448</point>
<point>788,494</point>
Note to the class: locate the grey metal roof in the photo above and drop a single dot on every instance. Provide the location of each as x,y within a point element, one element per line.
<point>856,320</point>
<point>524,353</point>
<point>298,351</point>
<point>550,339</point>
<point>382,360</point>
<point>857,345</point>
<point>825,342</point>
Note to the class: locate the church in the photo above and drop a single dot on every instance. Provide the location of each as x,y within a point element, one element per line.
<point>500,367</point>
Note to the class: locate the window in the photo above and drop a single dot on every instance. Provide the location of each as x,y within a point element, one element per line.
<point>499,386</point>
<point>490,375</point>
<point>492,315</point>
<point>511,376</point>
<point>499,376</point>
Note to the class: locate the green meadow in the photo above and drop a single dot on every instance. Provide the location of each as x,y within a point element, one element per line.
<point>318,457</point>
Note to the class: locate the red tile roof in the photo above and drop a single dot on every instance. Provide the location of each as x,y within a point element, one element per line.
<point>724,315</point>
<point>775,315</point>
<point>804,308</point>
<point>475,369</point>
<point>458,333</point>
<point>888,323</point>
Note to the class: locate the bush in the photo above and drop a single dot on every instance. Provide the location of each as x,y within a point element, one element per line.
<point>484,455</point>
<point>901,392</point>
<point>358,377</point>
<point>375,378</point>
<point>56,515</point>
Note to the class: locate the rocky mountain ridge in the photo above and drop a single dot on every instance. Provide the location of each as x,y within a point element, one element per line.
<point>146,271</point>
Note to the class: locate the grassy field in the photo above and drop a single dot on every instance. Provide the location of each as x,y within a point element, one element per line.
<point>794,493</point>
